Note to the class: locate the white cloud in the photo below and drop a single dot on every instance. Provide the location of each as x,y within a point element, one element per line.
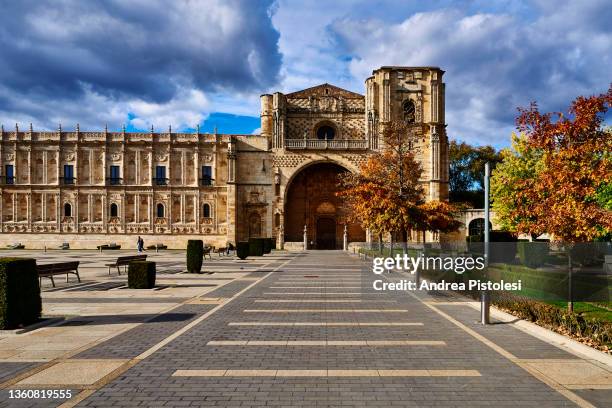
<point>494,62</point>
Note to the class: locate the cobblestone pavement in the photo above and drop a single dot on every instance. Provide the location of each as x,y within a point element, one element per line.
<point>307,329</point>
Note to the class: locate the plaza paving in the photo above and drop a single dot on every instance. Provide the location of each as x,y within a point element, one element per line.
<point>288,329</point>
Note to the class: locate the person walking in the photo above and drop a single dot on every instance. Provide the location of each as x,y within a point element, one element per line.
<point>138,244</point>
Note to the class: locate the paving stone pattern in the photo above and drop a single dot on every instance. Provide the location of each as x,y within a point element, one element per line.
<point>139,339</point>
<point>150,382</point>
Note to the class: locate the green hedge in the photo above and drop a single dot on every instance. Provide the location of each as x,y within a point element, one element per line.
<point>141,275</point>
<point>532,254</point>
<point>273,241</point>
<point>242,249</point>
<point>586,254</point>
<point>256,246</point>
<point>505,252</point>
<point>20,302</point>
<point>195,255</point>
<point>267,245</point>
<point>595,330</point>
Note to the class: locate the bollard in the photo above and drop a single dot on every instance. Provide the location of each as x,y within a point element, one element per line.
<point>485,302</point>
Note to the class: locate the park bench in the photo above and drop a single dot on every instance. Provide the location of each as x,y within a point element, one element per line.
<point>221,251</point>
<point>108,246</point>
<point>60,268</point>
<point>124,261</point>
<point>207,251</point>
<point>158,246</point>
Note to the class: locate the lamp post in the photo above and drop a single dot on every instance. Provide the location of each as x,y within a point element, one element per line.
<point>485,299</point>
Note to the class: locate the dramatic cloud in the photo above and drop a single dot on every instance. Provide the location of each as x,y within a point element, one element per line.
<point>494,61</point>
<point>96,62</point>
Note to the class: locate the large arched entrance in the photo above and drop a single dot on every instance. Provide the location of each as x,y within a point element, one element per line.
<point>311,200</point>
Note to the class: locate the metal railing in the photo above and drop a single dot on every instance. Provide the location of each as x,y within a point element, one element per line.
<point>160,181</point>
<point>114,181</point>
<point>207,181</point>
<point>318,144</point>
<point>7,180</point>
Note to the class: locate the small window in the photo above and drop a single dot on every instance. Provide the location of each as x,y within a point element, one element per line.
<point>67,210</point>
<point>326,132</point>
<point>206,211</point>
<point>68,174</point>
<point>409,111</point>
<point>160,175</point>
<point>160,210</point>
<point>114,211</point>
<point>206,175</point>
<point>9,174</point>
<point>115,175</point>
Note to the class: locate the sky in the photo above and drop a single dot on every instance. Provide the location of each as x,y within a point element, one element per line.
<point>143,63</point>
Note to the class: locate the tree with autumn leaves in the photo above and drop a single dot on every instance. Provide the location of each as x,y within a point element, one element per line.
<point>386,194</point>
<point>556,178</point>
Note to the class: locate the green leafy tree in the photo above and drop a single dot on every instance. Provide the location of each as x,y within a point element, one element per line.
<point>466,173</point>
<point>519,167</point>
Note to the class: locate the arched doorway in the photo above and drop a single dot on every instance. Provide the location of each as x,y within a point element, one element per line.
<point>311,200</point>
<point>477,226</point>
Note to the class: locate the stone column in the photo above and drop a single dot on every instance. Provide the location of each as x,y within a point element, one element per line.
<point>150,205</point>
<point>43,202</point>
<point>58,167</point>
<point>168,213</point>
<point>30,165</point>
<point>182,208</point>
<point>137,167</point>
<point>136,205</point>
<point>90,207</point>
<point>123,212</point>
<point>345,239</point>
<point>45,178</point>
<point>196,203</point>
<point>58,211</point>
<point>435,165</point>
<point>90,179</point>
<point>76,212</point>
<point>305,237</point>
<point>183,167</point>
<point>14,207</point>
<point>281,238</point>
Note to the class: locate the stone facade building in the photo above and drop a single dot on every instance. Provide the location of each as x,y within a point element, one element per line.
<point>91,188</point>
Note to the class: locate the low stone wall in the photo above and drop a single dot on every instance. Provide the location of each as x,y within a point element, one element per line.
<point>91,241</point>
<point>294,246</point>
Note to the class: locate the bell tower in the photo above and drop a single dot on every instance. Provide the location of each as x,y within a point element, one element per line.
<point>414,95</point>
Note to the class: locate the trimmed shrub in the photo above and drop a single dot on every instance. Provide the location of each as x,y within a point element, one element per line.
<point>499,253</point>
<point>256,246</point>
<point>195,255</point>
<point>273,240</point>
<point>586,254</point>
<point>532,254</point>
<point>267,245</point>
<point>141,275</point>
<point>598,332</point>
<point>20,302</point>
<point>242,249</point>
